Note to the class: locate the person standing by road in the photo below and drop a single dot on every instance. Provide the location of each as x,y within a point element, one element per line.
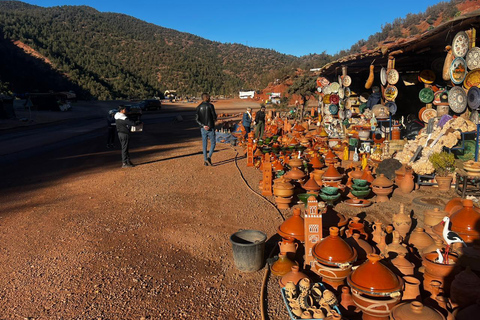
<point>247,121</point>
<point>206,117</point>
<point>123,125</point>
<point>260,123</point>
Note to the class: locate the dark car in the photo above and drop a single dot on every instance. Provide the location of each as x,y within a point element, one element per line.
<point>150,104</point>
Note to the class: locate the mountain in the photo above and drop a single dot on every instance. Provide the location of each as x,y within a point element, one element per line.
<point>109,56</point>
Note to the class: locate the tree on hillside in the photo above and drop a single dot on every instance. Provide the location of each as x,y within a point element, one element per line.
<point>304,86</point>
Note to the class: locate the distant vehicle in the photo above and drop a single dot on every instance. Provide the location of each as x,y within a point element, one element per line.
<point>170,94</point>
<point>150,104</point>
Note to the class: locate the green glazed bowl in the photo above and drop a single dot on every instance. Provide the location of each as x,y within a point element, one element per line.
<point>331,191</point>
<point>360,193</point>
<point>329,198</point>
<point>304,197</point>
<point>360,182</point>
<point>359,188</point>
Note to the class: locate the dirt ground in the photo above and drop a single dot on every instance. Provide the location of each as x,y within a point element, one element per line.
<point>83,238</point>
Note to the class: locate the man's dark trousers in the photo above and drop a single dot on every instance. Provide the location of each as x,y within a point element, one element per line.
<point>124,139</point>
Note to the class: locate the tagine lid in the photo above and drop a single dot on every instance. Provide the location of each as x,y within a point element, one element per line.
<point>382,181</point>
<point>415,310</point>
<point>332,173</point>
<point>330,156</point>
<point>295,174</point>
<point>315,162</point>
<point>465,220</point>
<point>374,278</point>
<point>333,250</point>
<point>293,227</point>
<point>311,184</point>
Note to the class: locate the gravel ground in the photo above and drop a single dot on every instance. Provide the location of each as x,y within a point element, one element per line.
<point>83,238</point>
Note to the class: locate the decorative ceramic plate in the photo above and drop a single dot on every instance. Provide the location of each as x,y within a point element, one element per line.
<point>341,104</point>
<point>328,118</point>
<point>340,82</point>
<point>428,114</point>
<point>441,97</point>
<point>333,109</point>
<point>322,82</point>
<point>392,107</point>
<point>347,81</point>
<point>319,89</point>
<point>348,103</point>
<point>348,113</point>
<point>334,86</point>
<point>473,98</point>
<point>472,79</point>
<point>326,89</point>
<point>427,76</point>
<point>457,99</point>
<point>391,93</point>
<point>334,99</point>
<point>420,112</point>
<point>426,95</point>
<point>392,76</point>
<point>473,58</point>
<point>383,76</point>
<point>348,92</point>
<point>460,44</point>
<point>326,98</point>
<point>341,93</point>
<point>358,202</point>
<point>458,70</point>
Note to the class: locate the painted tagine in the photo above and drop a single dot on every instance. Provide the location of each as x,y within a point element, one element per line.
<point>382,187</point>
<point>375,288</point>
<point>333,258</point>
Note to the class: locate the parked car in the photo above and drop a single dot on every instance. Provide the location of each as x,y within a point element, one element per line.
<point>150,104</point>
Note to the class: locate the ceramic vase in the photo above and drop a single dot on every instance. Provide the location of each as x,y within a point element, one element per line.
<point>377,232</point>
<point>402,222</point>
<point>408,184</point>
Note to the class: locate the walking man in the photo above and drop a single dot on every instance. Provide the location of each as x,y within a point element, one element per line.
<point>206,117</point>
<point>260,123</point>
<point>123,125</point>
<point>247,121</point>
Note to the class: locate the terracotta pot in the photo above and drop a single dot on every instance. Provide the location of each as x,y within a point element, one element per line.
<point>444,183</point>
<point>374,279</point>
<point>332,174</point>
<point>403,265</point>
<point>356,174</point>
<point>355,226</point>
<point>295,174</point>
<point>317,174</point>
<point>294,275</point>
<point>395,246</point>
<point>415,310</point>
<point>437,244</point>
<point>407,184</point>
<point>420,239</point>
<point>453,205</point>
<point>402,222</point>
<point>288,245</point>
<point>465,289</point>
<point>373,308</point>
<point>367,175</point>
<point>346,298</point>
<point>362,247</point>
<point>283,203</point>
<point>295,162</point>
<point>382,182</point>
<point>311,185</point>
<point>284,193</point>
<point>330,157</point>
<point>283,265</point>
<point>293,227</point>
<point>382,193</point>
<point>315,162</point>
<point>465,222</point>
<point>399,174</point>
<point>411,290</point>
<point>433,217</point>
<point>377,232</point>
<point>443,273</point>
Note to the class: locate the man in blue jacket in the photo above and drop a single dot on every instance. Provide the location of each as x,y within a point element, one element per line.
<point>206,117</point>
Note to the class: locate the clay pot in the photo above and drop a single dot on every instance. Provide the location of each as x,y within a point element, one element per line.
<point>402,222</point>
<point>293,227</point>
<point>411,289</point>
<point>282,266</point>
<point>433,217</point>
<point>356,174</point>
<point>374,279</point>
<point>311,185</point>
<point>382,193</point>
<point>444,183</point>
<point>420,239</point>
<point>395,246</point>
<point>399,174</point>
<point>295,162</point>
<point>373,308</point>
<point>346,298</point>
<point>317,175</point>
<point>437,244</point>
<point>407,184</point>
<point>294,275</point>
<point>403,265</point>
<point>295,174</point>
<point>367,175</point>
<point>315,162</point>
<point>283,203</point>
<point>377,232</point>
<point>465,221</point>
<point>453,205</point>
<point>330,158</point>
<point>332,174</point>
<point>382,182</point>
<point>465,289</point>
<point>436,271</point>
<point>415,310</point>
<point>283,192</point>
<point>355,226</point>
<point>363,247</point>
<point>288,245</point>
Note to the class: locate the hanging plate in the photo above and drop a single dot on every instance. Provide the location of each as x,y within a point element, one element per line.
<point>319,89</point>
<point>392,107</point>
<point>472,79</point>
<point>473,98</point>
<point>427,76</point>
<point>473,58</point>
<point>334,86</point>
<point>458,70</point>
<point>426,95</point>
<point>391,93</point>
<point>428,114</point>
<point>326,99</point>
<point>457,99</point>
<point>392,76</point>
<point>440,97</point>
<point>420,112</point>
<point>460,44</point>
<point>334,99</point>
<point>383,76</point>
<point>341,93</point>
<point>348,92</point>
<point>347,81</point>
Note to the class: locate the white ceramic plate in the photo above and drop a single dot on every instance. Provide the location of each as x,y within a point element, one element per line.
<point>460,44</point>
<point>383,76</point>
<point>392,76</point>
<point>347,81</point>
<point>473,58</point>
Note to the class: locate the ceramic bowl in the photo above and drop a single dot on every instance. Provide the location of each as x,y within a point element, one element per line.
<point>330,190</point>
<point>360,193</point>
<point>330,198</point>
<point>304,197</point>
<point>359,188</point>
<point>360,182</point>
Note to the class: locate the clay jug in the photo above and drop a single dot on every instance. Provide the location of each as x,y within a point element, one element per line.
<point>377,232</point>
<point>412,289</point>
<point>294,275</point>
<point>288,245</point>
<point>402,222</point>
<point>407,185</point>
<point>420,239</point>
<point>346,298</point>
<point>395,246</point>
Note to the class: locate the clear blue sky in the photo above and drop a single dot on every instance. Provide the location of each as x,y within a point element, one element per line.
<point>288,26</point>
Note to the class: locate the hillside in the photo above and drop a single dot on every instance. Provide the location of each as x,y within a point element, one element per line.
<point>117,56</point>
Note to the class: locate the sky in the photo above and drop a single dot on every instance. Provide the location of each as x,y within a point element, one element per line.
<point>288,26</point>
